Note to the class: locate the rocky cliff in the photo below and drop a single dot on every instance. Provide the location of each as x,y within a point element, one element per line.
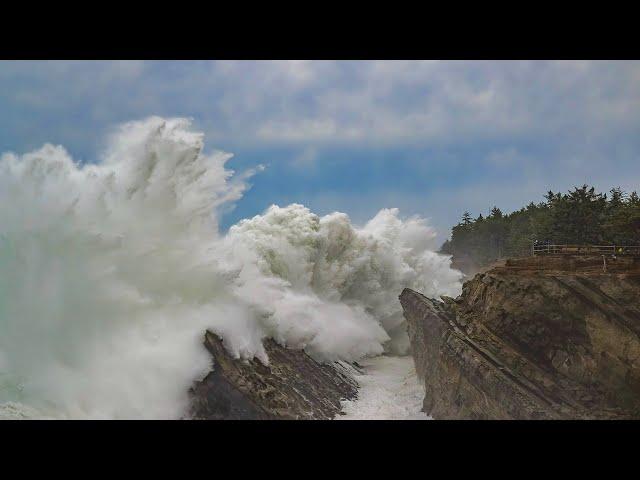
<point>534,338</point>
<point>291,386</point>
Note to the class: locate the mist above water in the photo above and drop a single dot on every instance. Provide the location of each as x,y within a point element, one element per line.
<point>110,273</point>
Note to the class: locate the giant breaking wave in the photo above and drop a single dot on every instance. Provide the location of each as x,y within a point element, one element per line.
<point>111,272</point>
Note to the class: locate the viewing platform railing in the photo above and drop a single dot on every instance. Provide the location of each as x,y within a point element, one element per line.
<point>554,249</point>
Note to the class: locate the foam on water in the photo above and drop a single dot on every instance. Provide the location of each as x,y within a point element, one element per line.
<point>389,390</point>
<point>111,272</point>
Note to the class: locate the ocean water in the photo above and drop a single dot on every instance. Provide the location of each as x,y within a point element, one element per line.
<point>389,390</point>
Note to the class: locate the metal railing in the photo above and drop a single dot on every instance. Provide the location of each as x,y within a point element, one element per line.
<point>554,249</point>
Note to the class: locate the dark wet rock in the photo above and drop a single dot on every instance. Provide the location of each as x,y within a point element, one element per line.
<point>291,386</point>
<point>537,338</point>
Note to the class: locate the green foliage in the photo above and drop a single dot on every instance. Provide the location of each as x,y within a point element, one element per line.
<point>580,216</point>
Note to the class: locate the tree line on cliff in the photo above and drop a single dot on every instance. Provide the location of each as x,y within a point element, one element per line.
<point>580,216</point>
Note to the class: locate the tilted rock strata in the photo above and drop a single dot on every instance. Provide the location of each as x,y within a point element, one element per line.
<point>527,343</point>
<point>291,386</point>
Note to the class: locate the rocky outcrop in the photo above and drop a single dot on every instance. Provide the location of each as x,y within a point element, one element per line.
<point>535,338</point>
<point>291,386</point>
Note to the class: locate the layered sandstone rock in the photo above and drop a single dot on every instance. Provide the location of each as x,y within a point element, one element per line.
<point>291,386</point>
<point>534,338</point>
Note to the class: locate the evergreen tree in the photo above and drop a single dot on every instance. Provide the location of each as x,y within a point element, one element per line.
<point>580,216</point>
<point>495,212</point>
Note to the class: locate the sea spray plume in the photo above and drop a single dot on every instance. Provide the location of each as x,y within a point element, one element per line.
<point>110,273</point>
<point>358,270</point>
<point>107,282</point>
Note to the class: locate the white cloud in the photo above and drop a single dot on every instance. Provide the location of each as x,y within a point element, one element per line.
<point>544,121</point>
<point>303,130</point>
<point>442,102</point>
<point>378,102</point>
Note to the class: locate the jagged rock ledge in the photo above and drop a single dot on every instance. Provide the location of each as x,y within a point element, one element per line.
<point>532,339</point>
<point>291,386</point>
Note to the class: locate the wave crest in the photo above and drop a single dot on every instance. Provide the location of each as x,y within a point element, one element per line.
<point>109,274</point>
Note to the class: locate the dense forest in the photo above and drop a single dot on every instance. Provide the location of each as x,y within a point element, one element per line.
<point>580,216</point>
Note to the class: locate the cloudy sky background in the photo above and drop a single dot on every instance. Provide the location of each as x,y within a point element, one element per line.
<point>432,138</point>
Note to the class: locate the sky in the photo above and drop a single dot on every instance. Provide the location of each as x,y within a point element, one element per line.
<point>433,138</point>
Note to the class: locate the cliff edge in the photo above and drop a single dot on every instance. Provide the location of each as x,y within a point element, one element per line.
<point>534,338</point>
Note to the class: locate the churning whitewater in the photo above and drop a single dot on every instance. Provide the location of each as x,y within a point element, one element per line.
<point>111,272</point>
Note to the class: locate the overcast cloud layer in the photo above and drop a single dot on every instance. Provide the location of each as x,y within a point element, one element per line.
<point>431,137</point>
